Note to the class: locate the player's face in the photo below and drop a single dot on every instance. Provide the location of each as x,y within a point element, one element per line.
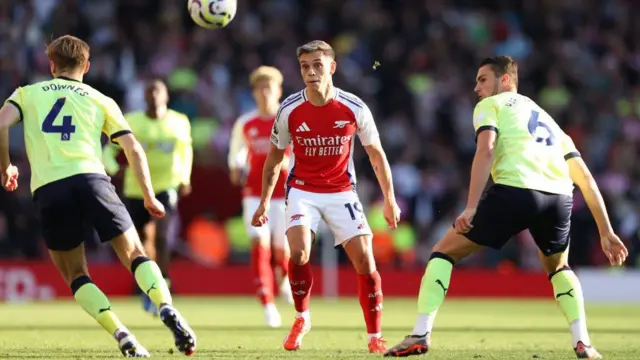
<point>266,92</point>
<point>316,69</point>
<point>487,84</point>
<point>156,94</point>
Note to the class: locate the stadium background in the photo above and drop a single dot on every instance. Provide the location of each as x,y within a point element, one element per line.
<point>579,59</point>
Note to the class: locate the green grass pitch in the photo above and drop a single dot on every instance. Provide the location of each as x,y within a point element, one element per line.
<point>232,328</point>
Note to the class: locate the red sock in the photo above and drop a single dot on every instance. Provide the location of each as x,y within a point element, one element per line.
<point>283,264</point>
<point>370,295</point>
<point>301,280</point>
<point>262,273</point>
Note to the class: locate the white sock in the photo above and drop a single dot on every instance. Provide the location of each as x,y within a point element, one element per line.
<point>579,332</point>
<point>376,335</point>
<point>270,307</point>
<point>424,324</point>
<point>305,315</point>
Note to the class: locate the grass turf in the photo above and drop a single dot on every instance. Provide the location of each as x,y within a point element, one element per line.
<point>232,328</point>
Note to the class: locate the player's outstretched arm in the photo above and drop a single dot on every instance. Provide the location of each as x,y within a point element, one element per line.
<point>137,160</point>
<point>9,115</point>
<point>270,173</point>
<point>611,244</point>
<point>381,167</point>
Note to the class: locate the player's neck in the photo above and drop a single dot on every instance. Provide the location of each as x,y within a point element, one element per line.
<point>268,111</point>
<point>156,113</point>
<point>320,97</point>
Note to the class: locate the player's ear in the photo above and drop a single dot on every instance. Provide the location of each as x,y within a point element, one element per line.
<point>334,65</point>
<point>86,67</point>
<point>52,68</point>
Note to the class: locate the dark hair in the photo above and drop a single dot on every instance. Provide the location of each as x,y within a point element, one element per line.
<point>316,45</point>
<point>501,65</point>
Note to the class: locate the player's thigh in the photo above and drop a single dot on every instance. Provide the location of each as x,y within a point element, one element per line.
<point>61,214</point>
<point>344,216</point>
<point>257,234</point>
<point>104,209</point>
<point>278,224</point>
<point>71,263</point>
<point>302,217</point>
<point>551,229</point>
<point>359,249</point>
<point>503,212</point>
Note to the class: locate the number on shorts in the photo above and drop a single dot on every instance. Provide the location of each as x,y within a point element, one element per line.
<point>534,124</point>
<point>353,208</point>
<point>66,129</point>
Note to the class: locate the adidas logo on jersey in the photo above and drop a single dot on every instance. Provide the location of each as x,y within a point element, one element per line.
<point>303,128</point>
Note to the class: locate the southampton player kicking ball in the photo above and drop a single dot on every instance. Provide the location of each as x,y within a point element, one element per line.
<point>534,165</point>
<point>63,120</point>
<point>321,122</point>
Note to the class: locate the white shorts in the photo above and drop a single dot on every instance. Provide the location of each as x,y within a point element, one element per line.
<point>342,212</point>
<point>275,227</point>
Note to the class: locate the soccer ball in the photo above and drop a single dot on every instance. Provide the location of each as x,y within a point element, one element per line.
<point>212,14</point>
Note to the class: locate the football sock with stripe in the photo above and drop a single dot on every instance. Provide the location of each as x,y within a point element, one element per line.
<point>370,296</point>
<point>568,294</point>
<point>150,280</point>
<point>301,280</point>
<point>433,290</point>
<point>95,303</point>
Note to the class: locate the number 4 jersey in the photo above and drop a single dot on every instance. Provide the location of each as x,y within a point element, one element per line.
<point>63,120</point>
<point>531,150</point>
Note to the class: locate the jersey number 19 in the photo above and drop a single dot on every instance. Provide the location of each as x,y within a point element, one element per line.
<point>66,129</point>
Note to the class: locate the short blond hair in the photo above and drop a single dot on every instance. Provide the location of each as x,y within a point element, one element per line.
<point>68,53</point>
<point>316,45</point>
<point>265,73</point>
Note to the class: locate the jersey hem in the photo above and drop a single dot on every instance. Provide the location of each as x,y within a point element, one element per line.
<point>66,177</point>
<point>12,102</point>
<point>323,191</point>
<point>117,134</point>
<point>558,192</point>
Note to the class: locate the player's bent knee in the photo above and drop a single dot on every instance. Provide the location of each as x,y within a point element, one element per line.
<point>77,282</point>
<point>300,256</point>
<point>360,253</point>
<point>455,246</point>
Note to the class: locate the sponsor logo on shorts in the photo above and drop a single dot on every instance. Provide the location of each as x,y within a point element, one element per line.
<point>296,217</point>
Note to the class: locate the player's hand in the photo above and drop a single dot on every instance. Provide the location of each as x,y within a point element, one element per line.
<point>463,222</point>
<point>260,216</point>
<point>391,212</point>
<point>184,190</point>
<point>154,207</point>
<point>10,178</point>
<point>614,248</point>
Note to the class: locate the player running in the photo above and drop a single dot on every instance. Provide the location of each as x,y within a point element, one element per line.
<point>321,121</point>
<point>165,136</point>
<point>63,120</point>
<point>248,152</point>
<point>534,165</point>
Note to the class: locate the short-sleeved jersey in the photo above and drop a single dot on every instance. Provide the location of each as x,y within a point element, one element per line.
<point>63,121</point>
<point>168,146</point>
<point>249,148</point>
<point>531,150</point>
<point>322,140</point>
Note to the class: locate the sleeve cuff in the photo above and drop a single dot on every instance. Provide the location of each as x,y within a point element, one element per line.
<point>17,107</point>
<point>572,155</point>
<point>117,134</point>
<point>485,127</point>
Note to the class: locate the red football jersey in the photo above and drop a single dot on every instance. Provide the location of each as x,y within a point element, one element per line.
<point>322,140</point>
<point>249,148</point>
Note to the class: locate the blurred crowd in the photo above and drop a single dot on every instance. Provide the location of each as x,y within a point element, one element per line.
<point>579,59</point>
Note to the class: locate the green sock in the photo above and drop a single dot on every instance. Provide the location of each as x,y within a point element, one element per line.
<point>150,280</point>
<point>568,294</point>
<point>95,303</point>
<point>434,286</point>
<point>433,289</point>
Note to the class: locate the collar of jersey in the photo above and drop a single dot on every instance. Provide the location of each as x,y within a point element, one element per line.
<point>66,78</point>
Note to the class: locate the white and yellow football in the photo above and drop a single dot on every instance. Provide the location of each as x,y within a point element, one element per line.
<point>212,14</point>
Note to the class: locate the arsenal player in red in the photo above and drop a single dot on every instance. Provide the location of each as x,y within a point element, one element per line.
<point>248,151</point>
<point>320,122</point>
